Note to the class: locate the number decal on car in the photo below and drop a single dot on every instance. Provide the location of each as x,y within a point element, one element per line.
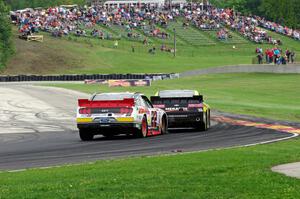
<point>154,119</point>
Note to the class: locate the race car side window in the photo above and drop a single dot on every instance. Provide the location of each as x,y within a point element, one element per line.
<point>138,102</point>
<point>147,102</point>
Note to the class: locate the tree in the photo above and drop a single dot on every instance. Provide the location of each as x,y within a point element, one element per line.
<point>285,12</point>
<point>6,47</point>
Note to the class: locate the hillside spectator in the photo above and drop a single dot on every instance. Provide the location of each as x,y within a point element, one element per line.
<point>116,44</point>
<point>222,34</point>
<point>267,56</point>
<point>260,58</point>
<point>288,55</point>
<point>271,56</point>
<point>293,56</point>
<point>145,41</point>
<point>283,60</point>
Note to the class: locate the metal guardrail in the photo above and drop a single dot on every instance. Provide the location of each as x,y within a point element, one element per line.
<point>75,77</point>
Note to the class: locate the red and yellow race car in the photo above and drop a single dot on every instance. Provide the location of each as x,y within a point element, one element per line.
<point>111,114</point>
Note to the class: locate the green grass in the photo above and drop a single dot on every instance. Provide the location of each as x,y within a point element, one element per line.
<point>232,173</point>
<point>89,55</point>
<point>275,96</point>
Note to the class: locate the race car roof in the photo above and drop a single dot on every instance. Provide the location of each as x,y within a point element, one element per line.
<point>112,96</point>
<point>177,93</point>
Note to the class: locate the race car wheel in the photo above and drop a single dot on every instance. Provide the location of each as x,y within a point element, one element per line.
<point>144,128</point>
<point>163,129</point>
<point>85,135</point>
<point>208,119</point>
<point>203,124</point>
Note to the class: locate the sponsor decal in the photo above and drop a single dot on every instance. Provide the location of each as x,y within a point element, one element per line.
<point>95,81</point>
<point>129,83</point>
<point>176,109</point>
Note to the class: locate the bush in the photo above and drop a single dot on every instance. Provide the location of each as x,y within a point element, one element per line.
<point>6,46</point>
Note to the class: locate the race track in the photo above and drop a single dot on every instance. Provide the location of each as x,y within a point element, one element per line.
<point>38,130</point>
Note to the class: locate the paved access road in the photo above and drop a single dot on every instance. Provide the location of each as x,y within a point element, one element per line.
<point>37,129</point>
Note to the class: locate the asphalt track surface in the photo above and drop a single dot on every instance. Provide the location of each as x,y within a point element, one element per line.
<point>38,130</point>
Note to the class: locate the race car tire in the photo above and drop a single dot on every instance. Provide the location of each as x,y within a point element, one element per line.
<point>164,125</point>
<point>144,129</point>
<point>208,119</point>
<point>203,124</point>
<point>85,135</point>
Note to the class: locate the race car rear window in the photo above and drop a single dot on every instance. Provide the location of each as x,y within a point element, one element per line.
<point>112,96</point>
<point>180,101</point>
<point>174,93</point>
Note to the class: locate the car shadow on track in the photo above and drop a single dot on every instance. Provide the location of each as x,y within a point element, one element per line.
<point>131,137</point>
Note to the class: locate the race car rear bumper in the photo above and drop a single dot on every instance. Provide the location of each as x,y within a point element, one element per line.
<point>184,119</point>
<point>110,128</point>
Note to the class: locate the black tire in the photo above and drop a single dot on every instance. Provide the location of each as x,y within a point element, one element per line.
<point>144,129</point>
<point>208,119</point>
<point>203,124</point>
<point>164,125</point>
<point>86,135</point>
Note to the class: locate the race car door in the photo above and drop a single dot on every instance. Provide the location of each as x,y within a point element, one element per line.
<point>152,120</point>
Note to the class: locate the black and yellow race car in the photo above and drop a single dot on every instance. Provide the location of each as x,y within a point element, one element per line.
<point>184,108</point>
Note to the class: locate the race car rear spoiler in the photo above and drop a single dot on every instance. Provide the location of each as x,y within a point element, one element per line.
<point>106,104</point>
<point>195,97</point>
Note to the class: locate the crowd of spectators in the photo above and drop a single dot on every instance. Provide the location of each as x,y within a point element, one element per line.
<point>223,34</point>
<point>74,20</point>
<point>216,19</point>
<point>275,56</point>
<point>295,34</point>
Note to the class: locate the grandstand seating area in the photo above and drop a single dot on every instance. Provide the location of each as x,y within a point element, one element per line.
<point>126,33</point>
<point>169,39</point>
<point>148,26</point>
<point>190,34</point>
<point>233,37</point>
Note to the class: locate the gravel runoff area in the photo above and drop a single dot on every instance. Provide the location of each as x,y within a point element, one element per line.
<point>292,169</point>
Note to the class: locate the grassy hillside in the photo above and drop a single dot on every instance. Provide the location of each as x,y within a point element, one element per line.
<point>88,55</point>
<point>275,96</point>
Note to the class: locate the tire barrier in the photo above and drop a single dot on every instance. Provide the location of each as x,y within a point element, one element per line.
<point>83,77</point>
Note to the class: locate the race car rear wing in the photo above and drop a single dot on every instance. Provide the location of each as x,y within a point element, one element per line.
<point>159,102</point>
<point>106,104</point>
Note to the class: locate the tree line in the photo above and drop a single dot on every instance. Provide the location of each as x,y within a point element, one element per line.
<point>285,12</point>
<point>6,46</point>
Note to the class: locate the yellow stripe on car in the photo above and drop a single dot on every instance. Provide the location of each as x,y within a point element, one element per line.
<point>125,119</point>
<point>84,120</point>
